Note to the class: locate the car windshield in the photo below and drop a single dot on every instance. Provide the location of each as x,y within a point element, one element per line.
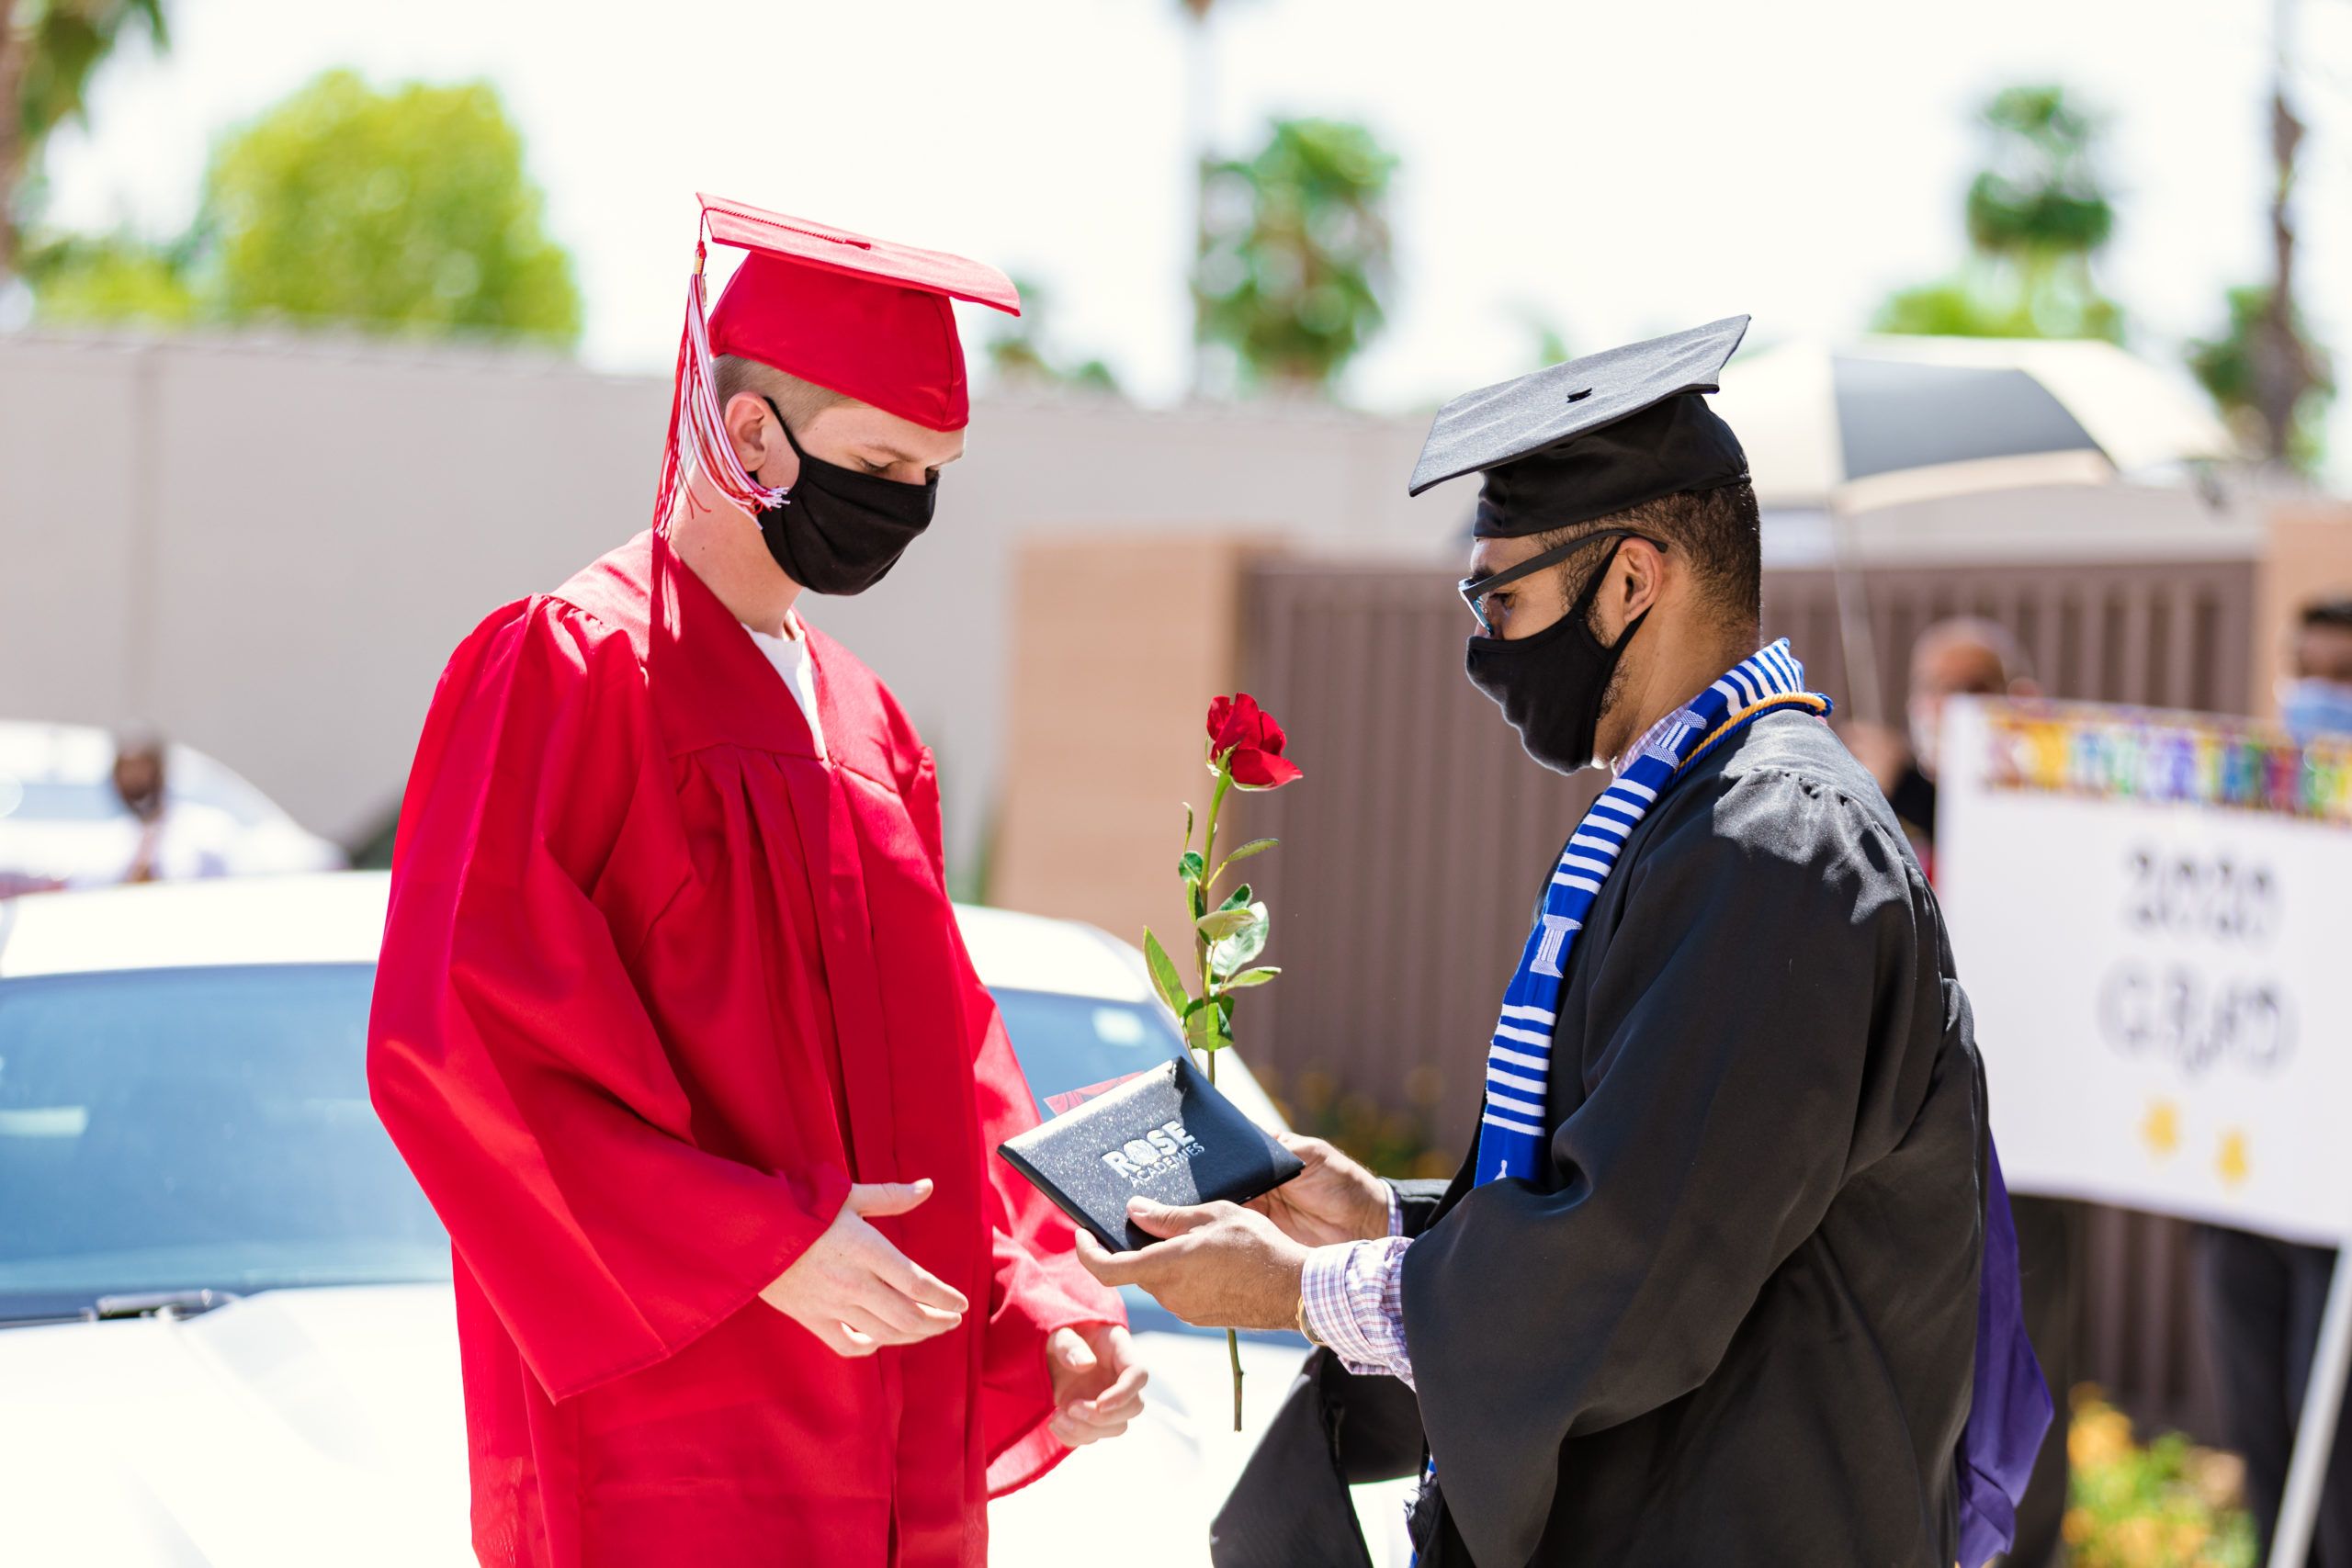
<point>173,1130</point>
<point>49,800</point>
<point>192,1129</point>
<point>1072,1048</point>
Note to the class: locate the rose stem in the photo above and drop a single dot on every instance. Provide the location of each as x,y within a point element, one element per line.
<point>1208,893</point>
<point>1201,957</point>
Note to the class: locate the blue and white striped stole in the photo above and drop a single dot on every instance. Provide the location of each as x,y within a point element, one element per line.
<point>1514,1128</point>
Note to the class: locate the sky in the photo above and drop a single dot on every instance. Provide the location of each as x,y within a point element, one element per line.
<point>1615,170</point>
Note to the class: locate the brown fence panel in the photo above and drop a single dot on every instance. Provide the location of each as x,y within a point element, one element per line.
<point>1414,848</point>
<point>2163,634</point>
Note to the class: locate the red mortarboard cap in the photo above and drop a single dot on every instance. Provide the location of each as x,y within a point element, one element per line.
<point>866,317</point>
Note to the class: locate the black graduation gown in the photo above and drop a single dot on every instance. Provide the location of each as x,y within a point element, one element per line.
<point>1734,1320</point>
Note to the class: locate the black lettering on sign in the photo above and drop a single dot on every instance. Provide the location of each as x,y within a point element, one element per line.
<point>2184,895</point>
<point>2170,1012</point>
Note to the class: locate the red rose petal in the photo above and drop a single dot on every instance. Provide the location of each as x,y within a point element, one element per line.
<point>1255,769</point>
<point>1271,739</point>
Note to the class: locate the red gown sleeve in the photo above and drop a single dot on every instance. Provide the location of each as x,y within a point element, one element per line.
<point>508,1053</point>
<point>1037,1284</point>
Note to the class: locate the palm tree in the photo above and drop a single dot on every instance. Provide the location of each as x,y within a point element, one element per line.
<point>1021,353</point>
<point>2283,419</point>
<point>2287,373</point>
<point>1295,252</point>
<point>2038,214</point>
<point>49,51</point>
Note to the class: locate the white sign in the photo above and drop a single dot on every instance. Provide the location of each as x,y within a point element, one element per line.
<point>2151,914</point>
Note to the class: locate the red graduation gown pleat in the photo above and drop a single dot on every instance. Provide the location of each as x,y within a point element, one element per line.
<point>658,983</point>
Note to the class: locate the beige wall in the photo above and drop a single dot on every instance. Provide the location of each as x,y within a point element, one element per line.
<point>1121,644</point>
<point>269,547</point>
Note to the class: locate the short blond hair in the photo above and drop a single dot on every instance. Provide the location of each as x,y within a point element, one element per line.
<point>797,400</point>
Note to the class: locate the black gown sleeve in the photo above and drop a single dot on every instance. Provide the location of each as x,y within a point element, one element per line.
<point>1741,1049</point>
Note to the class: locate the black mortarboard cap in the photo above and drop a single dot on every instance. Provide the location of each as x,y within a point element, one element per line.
<point>1591,437</point>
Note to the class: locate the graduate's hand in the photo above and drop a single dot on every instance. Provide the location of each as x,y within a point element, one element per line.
<point>855,1291</point>
<point>1222,1266</point>
<point>1098,1383</point>
<point>1333,1201</point>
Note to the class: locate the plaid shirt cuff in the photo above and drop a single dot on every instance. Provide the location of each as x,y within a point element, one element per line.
<point>1354,1295</point>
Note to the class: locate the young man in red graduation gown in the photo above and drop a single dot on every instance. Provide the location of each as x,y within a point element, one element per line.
<point>672,1022</point>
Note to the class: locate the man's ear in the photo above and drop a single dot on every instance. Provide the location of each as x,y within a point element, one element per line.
<point>1640,571</point>
<point>751,428</point>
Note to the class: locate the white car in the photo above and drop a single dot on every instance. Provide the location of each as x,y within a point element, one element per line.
<point>61,821</point>
<point>226,1331</point>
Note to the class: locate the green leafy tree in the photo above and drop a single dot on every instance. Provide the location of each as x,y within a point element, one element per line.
<point>50,49</point>
<point>1020,350</point>
<point>114,280</point>
<point>405,211</point>
<point>2231,367</point>
<point>2038,215</point>
<point>1294,253</point>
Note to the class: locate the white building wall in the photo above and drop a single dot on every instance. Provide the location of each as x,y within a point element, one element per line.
<point>268,548</point>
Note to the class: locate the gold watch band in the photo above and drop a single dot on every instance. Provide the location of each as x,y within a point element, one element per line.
<point>1305,1333</point>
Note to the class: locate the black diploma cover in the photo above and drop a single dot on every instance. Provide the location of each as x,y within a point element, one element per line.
<point>1166,1134</point>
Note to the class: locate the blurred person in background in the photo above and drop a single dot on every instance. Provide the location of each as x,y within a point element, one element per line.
<point>163,839</point>
<point>1963,656</point>
<point>2315,696</point>
<point>673,1023</point>
<point>2263,1295</point>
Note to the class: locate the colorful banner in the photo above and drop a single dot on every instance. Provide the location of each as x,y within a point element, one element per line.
<point>2151,914</point>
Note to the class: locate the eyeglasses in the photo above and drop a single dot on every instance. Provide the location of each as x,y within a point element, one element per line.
<point>1475,590</point>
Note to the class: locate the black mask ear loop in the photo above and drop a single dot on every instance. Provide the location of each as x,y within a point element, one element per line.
<point>1589,594</point>
<point>788,440</point>
<point>1613,651</point>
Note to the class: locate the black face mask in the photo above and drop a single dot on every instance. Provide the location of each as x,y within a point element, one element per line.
<point>1551,686</point>
<point>838,531</point>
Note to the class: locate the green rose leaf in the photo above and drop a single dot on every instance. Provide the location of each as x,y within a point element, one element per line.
<point>1252,977</point>
<point>1207,1029</point>
<point>1223,923</point>
<point>1237,898</point>
<point>1255,846</point>
<point>1191,866</point>
<point>1165,979</point>
<point>1237,949</point>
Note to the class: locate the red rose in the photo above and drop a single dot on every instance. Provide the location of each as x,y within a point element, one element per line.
<point>1239,728</point>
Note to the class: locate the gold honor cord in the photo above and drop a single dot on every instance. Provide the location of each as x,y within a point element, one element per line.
<point>1806,700</point>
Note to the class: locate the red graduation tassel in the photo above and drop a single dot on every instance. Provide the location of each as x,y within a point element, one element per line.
<point>694,419</point>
